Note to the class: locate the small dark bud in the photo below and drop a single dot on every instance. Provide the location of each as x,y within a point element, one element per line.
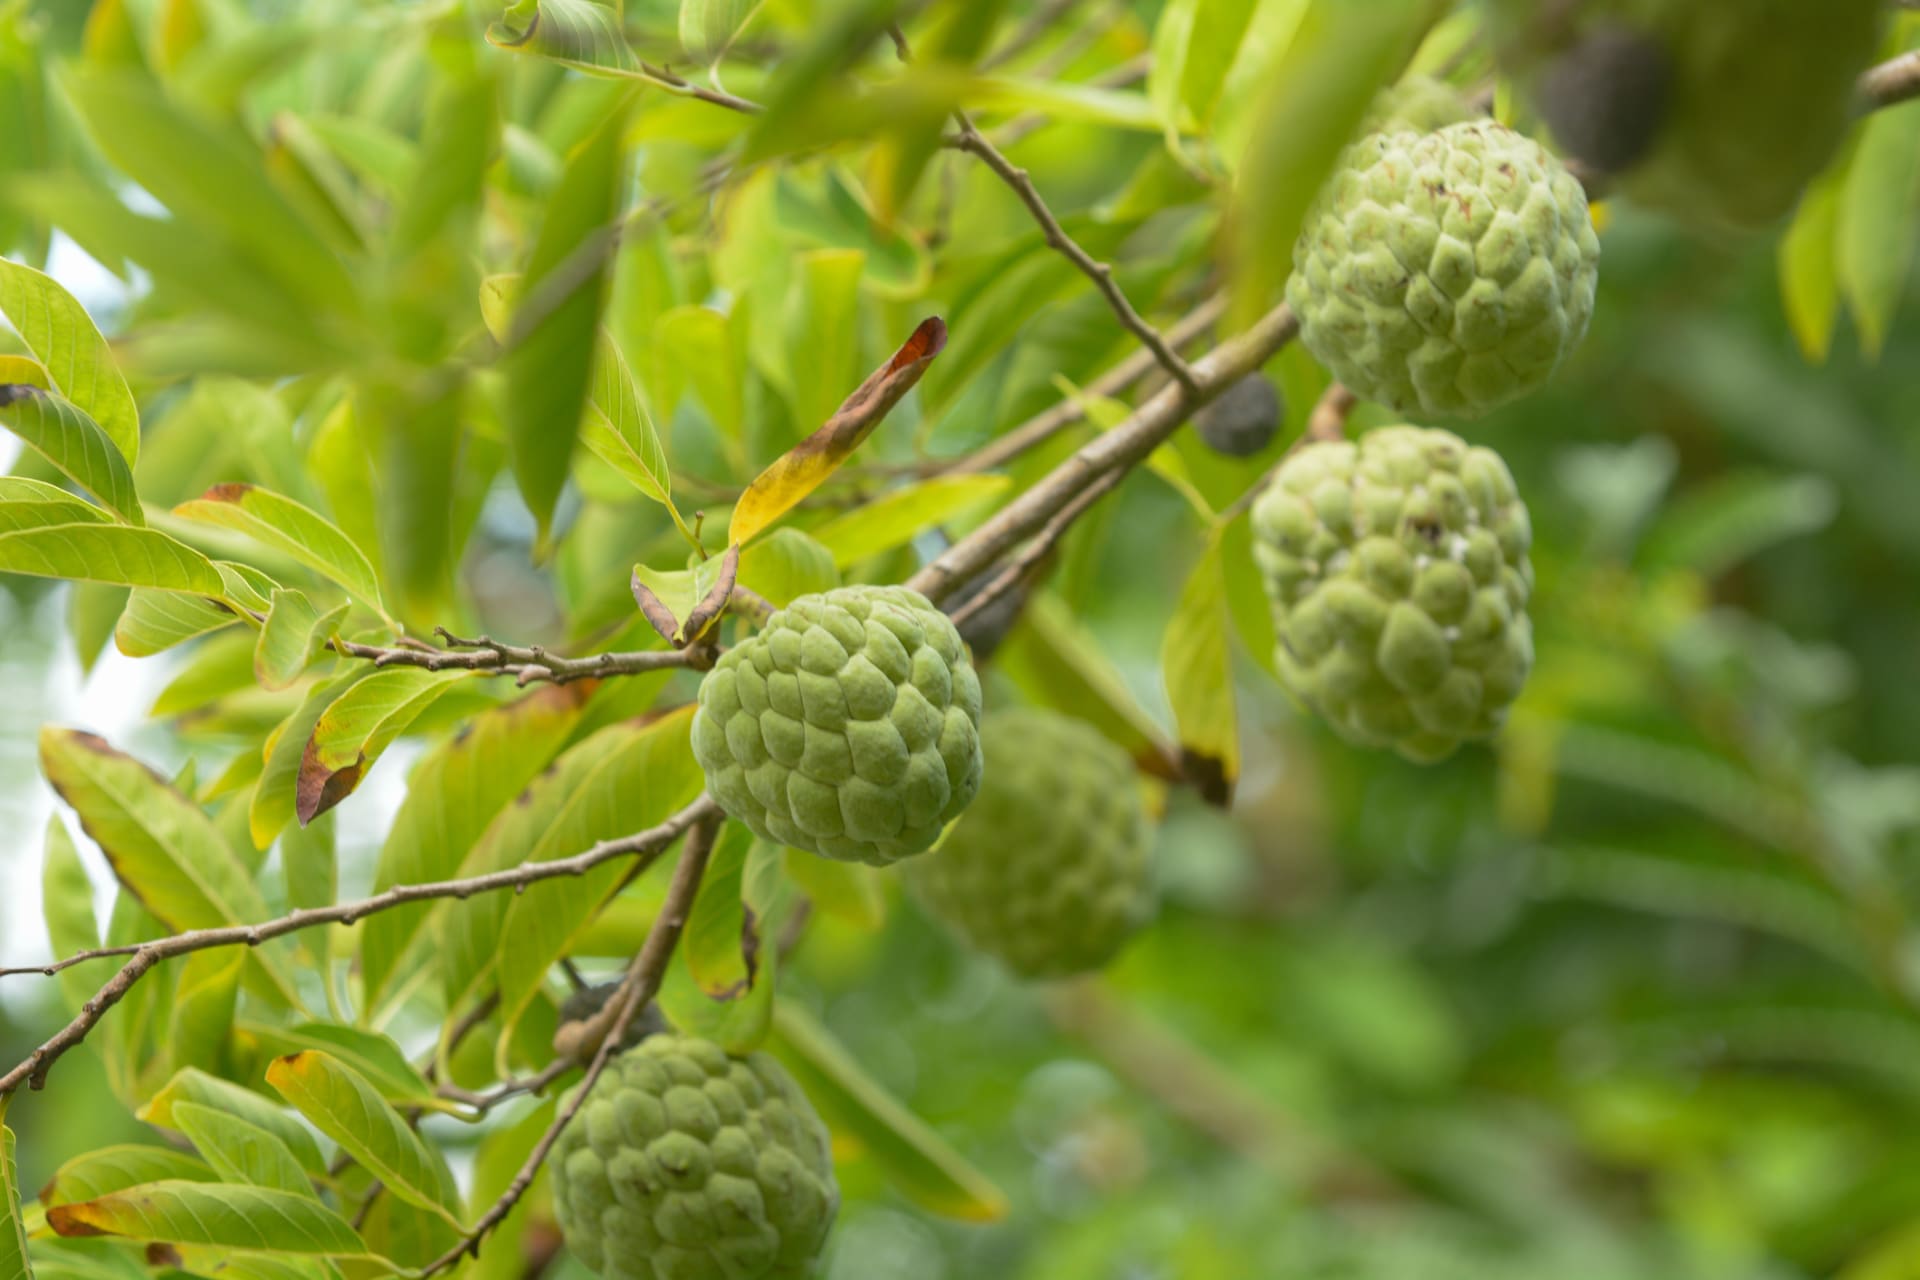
<point>983,631</point>
<point>582,1006</point>
<point>1244,418</point>
<point>1606,98</point>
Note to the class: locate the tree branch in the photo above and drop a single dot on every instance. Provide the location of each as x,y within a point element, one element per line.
<point>1044,426</point>
<point>1116,450</point>
<point>641,984</point>
<point>528,664</point>
<point>1017,567</point>
<point>142,957</point>
<point>1894,81</point>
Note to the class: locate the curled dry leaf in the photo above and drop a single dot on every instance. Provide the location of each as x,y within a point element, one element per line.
<point>800,470</point>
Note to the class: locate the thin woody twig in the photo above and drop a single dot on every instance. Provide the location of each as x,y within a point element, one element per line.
<point>528,664</point>
<point>641,984</point>
<point>1894,81</point>
<point>1126,445</point>
<point>1019,566</point>
<point>142,957</point>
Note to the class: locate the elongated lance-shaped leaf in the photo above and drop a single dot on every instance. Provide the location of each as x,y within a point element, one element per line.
<point>155,621</point>
<point>279,522</point>
<point>802,469</point>
<point>369,1053</point>
<point>294,634</point>
<point>93,1174</point>
<point>347,1108</point>
<point>351,734</point>
<point>14,1263</point>
<point>163,848</point>
<point>925,1168</point>
<point>549,362</point>
<point>585,33</point>
<point>903,515</point>
<point>95,552</point>
<point>240,1151</point>
<point>451,796</point>
<point>195,1086</point>
<point>61,335</point>
<point>206,989</point>
<point>1198,669</point>
<point>73,442</point>
<point>234,1217</point>
<point>274,796</point>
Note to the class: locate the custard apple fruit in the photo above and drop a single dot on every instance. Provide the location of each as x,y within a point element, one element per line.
<point>1419,103</point>
<point>1445,272</point>
<point>688,1164</point>
<point>1761,93</point>
<point>1398,574</point>
<point>1048,871</point>
<point>848,726</point>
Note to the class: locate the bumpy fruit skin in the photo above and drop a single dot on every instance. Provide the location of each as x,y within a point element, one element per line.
<point>1048,872</point>
<point>1243,420</point>
<point>688,1164</point>
<point>1446,272</point>
<point>1397,569</point>
<point>1419,103</point>
<point>848,727</point>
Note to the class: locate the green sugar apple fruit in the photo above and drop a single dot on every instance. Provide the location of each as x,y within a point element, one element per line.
<point>1445,272</point>
<point>687,1164</point>
<point>1397,569</point>
<point>848,726</point>
<point>1048,870</point>
<point>1759,93</point>
<point>1419,103</point>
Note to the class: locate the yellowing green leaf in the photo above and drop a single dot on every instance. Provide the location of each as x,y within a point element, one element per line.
<point>347,1108</point>
<point>899,517</point>
<point>155,621</point>
<point>803,468</point>
<point>294,634</point>
<point>1198,669</point>
<point>61,335</point>
<point>108,1169</point>
<point>1876,239</point>
<point>240,1151</point>
<point>288,527</point>
<point>1809,283</point>
<point>362,723</point>
<point>235,1217</point>
<point>191,1085</point>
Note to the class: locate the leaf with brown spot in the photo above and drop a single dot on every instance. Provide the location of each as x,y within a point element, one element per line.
<point>353,731</point>
<point>803,468</point>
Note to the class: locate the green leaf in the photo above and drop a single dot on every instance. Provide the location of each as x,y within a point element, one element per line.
<point>585,33</point>
<point>346,1107</point>
<point>903,515</point>
<point>1733,518</point>
<point>844,890</point>
<point>162,847</point>
<point>66,902</point>
<point>206,988</point>
<point>1809,266</point>
<point>93,552</point>
<point>919,1162</point>
<point>1876,240</point>
<point>240,1151</point>
<point>1198,670</point>
<point>707,27</point>
<point>453,793</point>
<point>549,361</point>
<point>720,987</point>
<point>1339,57</point>
<point>291,529</point>
<point>1054,662</point>
<point>649,776</point>
<point>73,442</point>
<point>309,861</point>
<point>369,1054</point>
<point>361,724</point>
<point>502,1153</point>
<point>694,346</point>
<point>155,621</point>
<point>93,1174</point>
<point>191,1085</point>
<point>14,1263</point>
<point>1194,45</point>
<point>295,633</point>
<point>787,564</point>
<point>717,926</point>
<point>61,335</point>
<point>274,796</point>
<point>231,1216</point>
<point>214,181</point>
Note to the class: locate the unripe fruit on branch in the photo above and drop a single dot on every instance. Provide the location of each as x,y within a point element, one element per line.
<point>1445,273</point>
<point>848,726</point>
<point>1048,871</point>
<point>688,1164</point>
<point>1398,574</point>
<point>1243,419</point>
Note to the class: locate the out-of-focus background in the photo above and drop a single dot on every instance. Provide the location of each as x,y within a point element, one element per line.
<point>1632,993</point>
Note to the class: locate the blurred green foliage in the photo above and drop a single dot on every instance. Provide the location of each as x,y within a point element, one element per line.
<point>1632,993</point>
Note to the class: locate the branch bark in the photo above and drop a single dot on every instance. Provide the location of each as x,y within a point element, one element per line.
<point>528,664</point>
<point>142,957</point>
<point>641,984</point>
